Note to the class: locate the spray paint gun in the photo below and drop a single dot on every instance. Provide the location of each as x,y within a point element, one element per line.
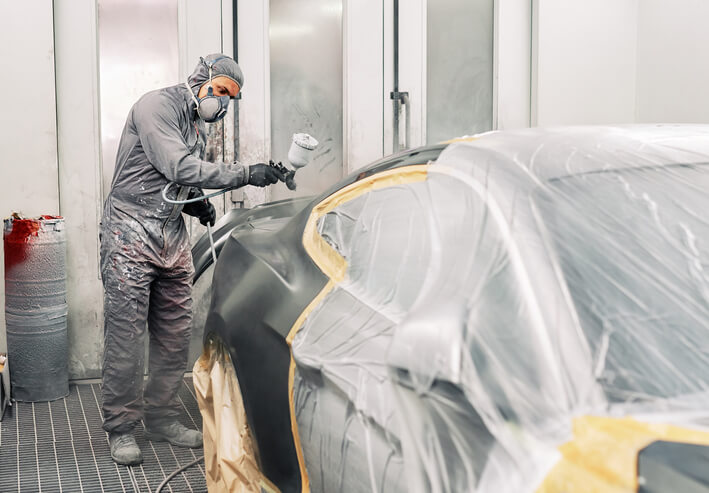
<point>299,155</point>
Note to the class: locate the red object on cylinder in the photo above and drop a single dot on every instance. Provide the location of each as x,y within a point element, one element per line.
<point>17,241</point>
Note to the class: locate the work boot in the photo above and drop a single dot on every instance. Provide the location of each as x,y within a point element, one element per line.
<point>175,433</point>
<point>124,449</point>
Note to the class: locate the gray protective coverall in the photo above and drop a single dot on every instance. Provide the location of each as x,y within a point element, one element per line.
<point>146,262</point>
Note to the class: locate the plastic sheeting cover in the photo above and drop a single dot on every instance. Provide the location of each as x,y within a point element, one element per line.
<point>534,278</point>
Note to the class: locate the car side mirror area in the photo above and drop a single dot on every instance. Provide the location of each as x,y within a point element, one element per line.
<point>427,346</point>
<point>427,363</point>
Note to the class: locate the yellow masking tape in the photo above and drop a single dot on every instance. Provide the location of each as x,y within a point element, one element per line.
<point>460,139</point>
<point>603,455</point>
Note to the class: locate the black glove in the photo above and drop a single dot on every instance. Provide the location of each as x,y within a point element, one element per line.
<point>209,213</point>
<point>202,209</point>
<point>262,175</point>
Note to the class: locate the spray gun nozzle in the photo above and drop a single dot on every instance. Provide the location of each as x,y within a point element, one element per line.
<point>288,175</point>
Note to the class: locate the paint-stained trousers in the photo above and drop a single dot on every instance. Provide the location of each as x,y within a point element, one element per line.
<point>145,287</point>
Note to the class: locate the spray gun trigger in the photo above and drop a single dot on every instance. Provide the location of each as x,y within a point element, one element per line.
<point>288,175</point>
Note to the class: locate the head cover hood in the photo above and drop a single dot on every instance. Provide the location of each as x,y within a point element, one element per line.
<point>212,108</point>
<point>222,65</point>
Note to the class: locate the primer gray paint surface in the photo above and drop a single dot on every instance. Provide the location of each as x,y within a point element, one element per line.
<point>459,78</point>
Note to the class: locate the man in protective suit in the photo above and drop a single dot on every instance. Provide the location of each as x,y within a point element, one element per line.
<point>146,261</point>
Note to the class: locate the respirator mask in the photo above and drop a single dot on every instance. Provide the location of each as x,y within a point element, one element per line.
<point>210,108</point>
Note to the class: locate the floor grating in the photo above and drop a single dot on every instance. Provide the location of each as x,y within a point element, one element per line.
<point>60,446</point>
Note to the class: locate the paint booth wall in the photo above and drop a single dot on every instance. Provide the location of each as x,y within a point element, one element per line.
<point>619,61</point>
<point>137,42</point>
<point>306,88</point>
<point>28,130</point>
<point>673,72</point>
<point>52,149</point>
<point>584,62</point>
<point>78,147</point>
<point>594,62</point>
<point>459,56</point>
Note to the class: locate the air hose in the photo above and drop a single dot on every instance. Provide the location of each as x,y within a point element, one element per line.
<point>176,472</point>
<point>198,199</point>
<point>288,178</point>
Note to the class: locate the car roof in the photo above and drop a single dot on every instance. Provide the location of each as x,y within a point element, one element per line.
<point>538,155</point>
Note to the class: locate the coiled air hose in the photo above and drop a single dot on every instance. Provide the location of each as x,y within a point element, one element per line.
<point>198,199</point>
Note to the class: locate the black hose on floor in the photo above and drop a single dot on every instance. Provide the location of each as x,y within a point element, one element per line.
<point>176,472</point>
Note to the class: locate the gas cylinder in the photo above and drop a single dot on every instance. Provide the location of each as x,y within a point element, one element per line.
<point>36,308</point>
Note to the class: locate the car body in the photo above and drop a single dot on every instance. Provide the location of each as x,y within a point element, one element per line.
<point>516,311</point>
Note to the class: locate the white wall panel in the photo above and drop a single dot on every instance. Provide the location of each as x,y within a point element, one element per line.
<point>200,32</point>
<point>673,70</point>
<point>412,71</point>
<point>412,66</point>
<point>80,178</point>
<point>459,62</point>
<point>138,52</point>
<point>255,105</point>
<point>513,53</point>
<point>584,65</point>
<point>28,133</point>
<point>306,55</point>
<point>363,82</point>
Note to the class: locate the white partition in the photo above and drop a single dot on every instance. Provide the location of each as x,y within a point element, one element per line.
<point>412,69</point>
<point>255,104</point>
<point>80,178</point>
<point>584,61</point>
<point>673,71</point>
<point>28,131</point>
<point>138,52</point>
<point>513,59</point>
<point>459,68</point>
<point>306,88</point>
<point>363,81</point>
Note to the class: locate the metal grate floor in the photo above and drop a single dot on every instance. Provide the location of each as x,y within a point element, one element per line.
<point>60,447</point>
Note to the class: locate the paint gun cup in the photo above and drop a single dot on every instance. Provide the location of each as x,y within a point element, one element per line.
<point>301,150</point>
<point>299,155</point>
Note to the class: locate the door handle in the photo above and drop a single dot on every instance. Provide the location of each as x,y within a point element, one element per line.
<point>401,99</point>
